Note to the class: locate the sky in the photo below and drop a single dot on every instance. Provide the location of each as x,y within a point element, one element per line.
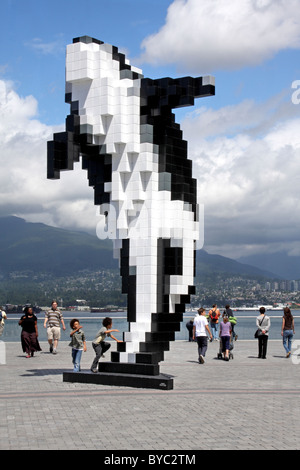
<point>244,141</point>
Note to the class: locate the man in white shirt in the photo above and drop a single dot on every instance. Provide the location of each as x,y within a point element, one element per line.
<point>200,330</point>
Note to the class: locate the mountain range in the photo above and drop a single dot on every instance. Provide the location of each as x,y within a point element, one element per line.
<point>208,264</point>
<point>281,264</point>
<point>39,248</point>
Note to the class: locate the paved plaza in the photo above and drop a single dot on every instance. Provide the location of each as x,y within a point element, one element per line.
<point>246,403</point>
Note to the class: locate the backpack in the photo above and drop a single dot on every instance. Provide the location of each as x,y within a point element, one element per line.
<point>214,316</point>
<point>230,315</point>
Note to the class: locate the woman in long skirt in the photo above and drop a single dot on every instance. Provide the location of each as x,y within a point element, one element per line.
<point>29,335</point>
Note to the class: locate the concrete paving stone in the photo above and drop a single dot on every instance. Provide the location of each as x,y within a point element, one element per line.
<point>253,401</point>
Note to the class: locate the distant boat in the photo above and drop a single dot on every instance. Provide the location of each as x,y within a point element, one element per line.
<point>9,308</point>
<point>107,309</point>
<point>255,308</point>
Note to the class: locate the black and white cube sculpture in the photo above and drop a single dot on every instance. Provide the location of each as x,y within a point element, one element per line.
<point>122,127</point>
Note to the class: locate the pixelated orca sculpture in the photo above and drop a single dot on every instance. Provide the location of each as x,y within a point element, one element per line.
<point>122,126</point>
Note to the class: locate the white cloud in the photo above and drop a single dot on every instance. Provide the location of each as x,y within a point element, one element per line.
<point>24,188</point>
<point>206,35</point>
<point>55,47</point>
<point>246,161</point>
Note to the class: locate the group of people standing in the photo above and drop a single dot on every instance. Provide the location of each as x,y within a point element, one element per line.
<point>214,320</point>
<point>205,326</point>
<point>202,327</point>
<point>201,330</point>
<point>53,322</point>
<point>29,335</point>
<point>263,324</point>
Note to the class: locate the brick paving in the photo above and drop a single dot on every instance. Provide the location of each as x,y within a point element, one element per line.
<point>246,403</point>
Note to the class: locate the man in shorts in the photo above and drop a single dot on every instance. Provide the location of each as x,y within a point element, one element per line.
<point>54,318</point>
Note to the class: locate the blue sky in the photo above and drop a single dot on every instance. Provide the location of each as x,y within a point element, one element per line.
<point>34,35</point>
<point>244,142</point>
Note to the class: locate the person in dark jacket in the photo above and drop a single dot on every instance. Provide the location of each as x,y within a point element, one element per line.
<point>189,326</point>
<point>232,320</point>
<point>263,324</point>
<point>29,335</point>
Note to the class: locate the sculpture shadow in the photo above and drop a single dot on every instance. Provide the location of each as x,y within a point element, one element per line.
<point>43,372</point>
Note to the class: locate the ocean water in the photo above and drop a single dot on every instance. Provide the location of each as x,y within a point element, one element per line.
<point>92,322</point>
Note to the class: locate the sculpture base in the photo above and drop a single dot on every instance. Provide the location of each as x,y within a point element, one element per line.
<point>160,381</point>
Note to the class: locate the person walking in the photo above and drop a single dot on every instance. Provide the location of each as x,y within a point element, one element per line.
<point>200,330</point>
<point>225,335</point>
<point>214,315</point>
<point>263,324</point>
<point>29,335</point>
<point>232,319</point>
<point>53,319</point>
<point>287,330</point>
<point>78,343</point>
<point>189,326</point>
<point>2,318</point>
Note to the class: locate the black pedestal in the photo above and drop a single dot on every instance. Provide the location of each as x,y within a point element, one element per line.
<point>144,372</point>
<point>160,381</point>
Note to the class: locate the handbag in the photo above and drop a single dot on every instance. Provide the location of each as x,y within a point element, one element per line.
<point>258,331</point>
